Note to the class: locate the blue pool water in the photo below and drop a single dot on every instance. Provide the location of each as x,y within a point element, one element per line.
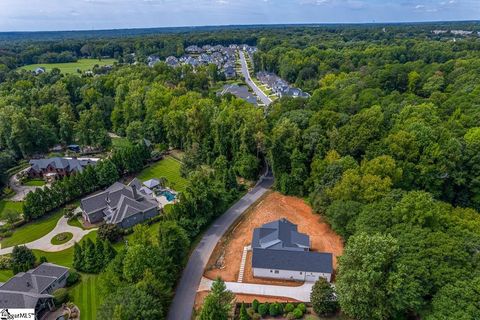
<point>169,195</point>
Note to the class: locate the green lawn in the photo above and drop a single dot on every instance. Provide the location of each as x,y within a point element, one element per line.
<point>5,275</point>
<point>61,238</point>
<point>75,223</point>
<point>33,230</point>
<point>71,67</point>
<point>120,142</point>
<point>10,205</point>
<point>34,183</point>
<point>168,168</point>
<point>86,296</point>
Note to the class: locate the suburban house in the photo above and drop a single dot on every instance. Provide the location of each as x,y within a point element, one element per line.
<point>33,289</point>
<point>123,205</point>
<point>58,167</point>
<point>239,92</point>
<point>39,70</point>
<point>281,252</point>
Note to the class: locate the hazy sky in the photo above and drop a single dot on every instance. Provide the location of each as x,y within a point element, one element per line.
<point>33,15</point>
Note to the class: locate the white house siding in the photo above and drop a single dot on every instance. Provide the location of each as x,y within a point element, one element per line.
<point>290,275</point>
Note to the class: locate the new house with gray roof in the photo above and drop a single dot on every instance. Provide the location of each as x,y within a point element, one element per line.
<point>281,252</point>
<point>33,289</point>
<point>123,205</point>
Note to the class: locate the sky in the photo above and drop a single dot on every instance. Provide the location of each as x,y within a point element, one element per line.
<point>47,15</point>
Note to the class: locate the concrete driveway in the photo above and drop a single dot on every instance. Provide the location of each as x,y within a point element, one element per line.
<point>300,293</point>
<point>45,244</point>
<point>19,189</point>
<point>183,302</point>
<point>248,79</point>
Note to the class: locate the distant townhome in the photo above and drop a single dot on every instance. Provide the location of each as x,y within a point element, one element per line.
<point>58,167</point>
<point>281,252</point>
<point>39,70</point>
<point>33,289</point>
<point>123,205</point>
<point>230,72</point>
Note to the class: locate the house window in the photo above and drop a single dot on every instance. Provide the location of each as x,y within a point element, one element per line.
<point>301,272</point>
<point>271,271</point>
<point>276,271</point>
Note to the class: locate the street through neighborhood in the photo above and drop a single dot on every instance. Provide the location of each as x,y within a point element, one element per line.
<point>248,79</point>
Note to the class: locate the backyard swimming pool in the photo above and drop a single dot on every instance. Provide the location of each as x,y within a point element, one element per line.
<point>169,195</point>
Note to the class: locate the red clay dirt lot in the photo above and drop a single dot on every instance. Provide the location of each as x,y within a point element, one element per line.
<point>226,258</point>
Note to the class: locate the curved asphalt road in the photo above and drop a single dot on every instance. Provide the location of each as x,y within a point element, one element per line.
<point>182,305</point>
<point>259,93</point>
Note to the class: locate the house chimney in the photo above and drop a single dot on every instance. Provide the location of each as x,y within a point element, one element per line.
<point>135,193</point>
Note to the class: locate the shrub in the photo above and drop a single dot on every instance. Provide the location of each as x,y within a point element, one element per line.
<point>73,277</point>
<point>6,234</point>
<point>289,307</point>
<point>263,309</point>
<point>43,259</point>
<point>273,310</point>
<point>60,296</point>
<point>297,313</point>
<point>290,316</point>
<point>110,232</point>
<point>250,312</point>
<point>23,259</point>
<point>255,304</point>
<point>5,262</point>
<point>302,307</point>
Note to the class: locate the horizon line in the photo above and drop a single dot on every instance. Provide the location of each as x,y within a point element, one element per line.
<point>248,25</point>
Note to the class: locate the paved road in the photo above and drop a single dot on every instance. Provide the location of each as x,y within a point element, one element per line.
<point>300,293</point>
<point>45,244</point>
<point>182,305</point>
<point>259,93</point>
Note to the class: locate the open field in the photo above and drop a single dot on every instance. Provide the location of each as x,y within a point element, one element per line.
<point>274,206</point>
<point>86,296</point>
<point>33,230</point>
<point>10,205</point>
<point>70,67</point>
<point>168,168</point>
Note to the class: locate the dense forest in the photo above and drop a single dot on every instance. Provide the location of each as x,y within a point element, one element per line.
<point>387,148</point>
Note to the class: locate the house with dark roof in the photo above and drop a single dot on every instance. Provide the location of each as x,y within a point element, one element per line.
<point>58,166</point>
<point>281,252</point>
<point>33,289</point>
<point>123,205</point>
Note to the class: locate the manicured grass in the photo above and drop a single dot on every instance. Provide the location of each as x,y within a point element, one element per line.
<point>34,183</point>
<point>75,223</point>
<point>71,67</point>
<point>10,205</point>
<point>33,230</point>
<point>86,296</point>
<point>5,275</point>
<point>168,168</point>
<point>61,238</point>
<point>120,142</point>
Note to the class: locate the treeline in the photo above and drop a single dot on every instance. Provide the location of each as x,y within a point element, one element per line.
<point>139,281</point>
<point>92,257</point>
<point>43,200</point>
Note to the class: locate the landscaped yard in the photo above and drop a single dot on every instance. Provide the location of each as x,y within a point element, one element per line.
<point>168,168</point>
<point>10,205</point>
<point>71,67</point>
<point>33,230</point>
<point>34,183</point>
<point>120,142</point>
<point>86,296</point>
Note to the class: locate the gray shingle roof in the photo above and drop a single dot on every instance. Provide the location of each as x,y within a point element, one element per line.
<point>119,201</point>
<point>12,299</point>
<point>69,164</point>
<point>280,235</point>
<point>305,261</point>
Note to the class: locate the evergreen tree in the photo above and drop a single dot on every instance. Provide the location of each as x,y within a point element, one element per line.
<point>217,304</point>
<point>23,259</point>
<point>243,313</point>
<point>99,257</point>
<point>78,257</point>
<point>108,252</point>
<point>89,264</point>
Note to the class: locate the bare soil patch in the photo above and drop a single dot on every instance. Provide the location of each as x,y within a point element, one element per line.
<point>226,258</point>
